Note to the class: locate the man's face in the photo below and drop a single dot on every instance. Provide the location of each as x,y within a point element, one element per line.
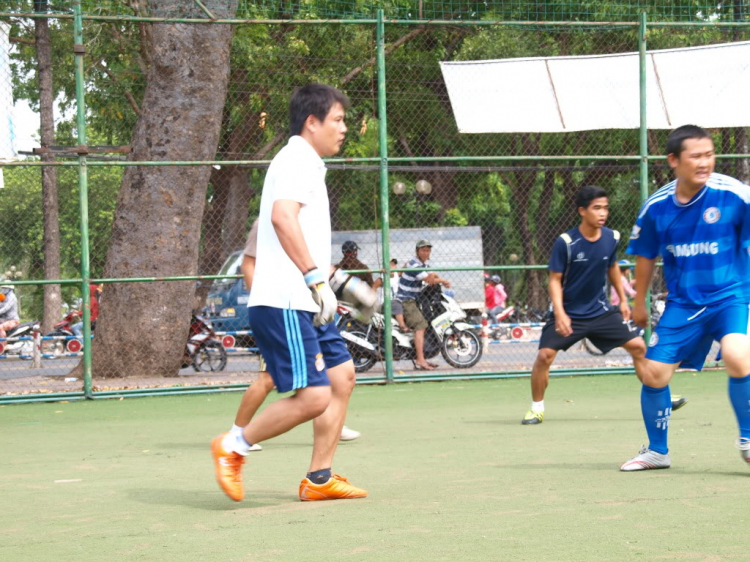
<point>595,215</point>
<point>695,163</point>
<point>328,136</point>
<point>423,253</point>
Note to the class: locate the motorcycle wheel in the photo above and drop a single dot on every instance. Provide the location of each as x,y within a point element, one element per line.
<point>211,356</point>
<point>591,348</point>
<point>462,349</point>
<point>363,362</point>
<point>53,347</point>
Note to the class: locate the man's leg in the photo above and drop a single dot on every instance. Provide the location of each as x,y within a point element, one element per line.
<point>735,350</point>
<point>539,381</point>
<point>419,348</point>
<point>253,397</point>
<point>656,408</point>
<point>281,416</point>
<point>327,426</point>
<point>637,350</point>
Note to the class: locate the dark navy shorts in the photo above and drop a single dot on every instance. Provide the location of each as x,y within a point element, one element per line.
<point>296,352</point>
<point>684,334</point>
<point>606,331</point>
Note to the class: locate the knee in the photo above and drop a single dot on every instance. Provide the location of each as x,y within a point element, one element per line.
<point>315,400</point>
<point>266,382</point>
<point>636,347</point>
<point>343,379</point>
<point>546,356</point>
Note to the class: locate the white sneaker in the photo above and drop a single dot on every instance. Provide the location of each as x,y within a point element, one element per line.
<point>647,460</point>
<point>348,434</point>
<point>256,447</point>
<point>743,444</point>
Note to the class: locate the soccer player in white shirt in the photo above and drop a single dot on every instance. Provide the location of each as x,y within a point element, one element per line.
<point>292,305</point>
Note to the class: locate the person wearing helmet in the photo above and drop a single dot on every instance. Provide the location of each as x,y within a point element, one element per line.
<point>501,295</point>
<point>9,318</point>
<point>350,262</point>
<point>627,284</point>
<point>409,287</point>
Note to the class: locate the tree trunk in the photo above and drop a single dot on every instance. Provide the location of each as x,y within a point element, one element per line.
<point>142,327</point>
<point>238,207</point>
<point>51,243</point>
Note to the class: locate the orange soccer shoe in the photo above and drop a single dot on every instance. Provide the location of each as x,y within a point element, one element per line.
<point>228,465</point>
<point>337,488</point>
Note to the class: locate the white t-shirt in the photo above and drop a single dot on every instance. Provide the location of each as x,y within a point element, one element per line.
<point>296,173</point>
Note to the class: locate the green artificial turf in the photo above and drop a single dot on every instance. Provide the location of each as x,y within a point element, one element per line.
<point>452,475</point>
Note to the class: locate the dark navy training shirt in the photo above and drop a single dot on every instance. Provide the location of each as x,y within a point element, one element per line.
<point>585,278</point>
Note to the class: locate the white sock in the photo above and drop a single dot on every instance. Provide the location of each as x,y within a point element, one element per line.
<point>537,406</point>
<point>235,442</point>
<point>236,429</point>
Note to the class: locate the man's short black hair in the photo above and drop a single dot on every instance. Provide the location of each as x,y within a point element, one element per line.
<point>587,194</point>
<point>313,99</point>
<point>676,138</point>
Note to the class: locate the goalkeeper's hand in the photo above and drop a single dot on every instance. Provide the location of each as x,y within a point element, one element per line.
<point>322,295</point>
<point>355,291</point>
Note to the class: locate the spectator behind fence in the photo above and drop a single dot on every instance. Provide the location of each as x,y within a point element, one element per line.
<point>350,262</point>
<point>409,288</point>
<point>627,284</point>
<point>9,318</point>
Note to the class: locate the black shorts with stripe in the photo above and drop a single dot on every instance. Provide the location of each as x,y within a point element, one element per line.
<point>606,332</point>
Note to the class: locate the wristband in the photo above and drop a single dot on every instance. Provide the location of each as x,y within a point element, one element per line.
<point>314,277</point>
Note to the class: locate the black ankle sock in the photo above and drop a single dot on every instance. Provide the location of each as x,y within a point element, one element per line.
<point>319,476</point>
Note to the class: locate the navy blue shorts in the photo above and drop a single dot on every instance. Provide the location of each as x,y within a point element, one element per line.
<point>296,352</point>
<point>684,334</point>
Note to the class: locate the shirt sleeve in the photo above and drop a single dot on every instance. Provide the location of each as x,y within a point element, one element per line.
<point>251,247</point>
<point>294,183</point>
<point>644,240</point>
<point>558,261</point>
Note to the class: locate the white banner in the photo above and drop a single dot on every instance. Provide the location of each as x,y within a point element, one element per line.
<point>706,86</point>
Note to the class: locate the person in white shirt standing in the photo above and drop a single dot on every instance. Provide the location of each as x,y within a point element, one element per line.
<point>292,305</point>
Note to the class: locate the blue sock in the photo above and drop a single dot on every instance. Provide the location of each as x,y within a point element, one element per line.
<point>739,396</point>
<point>319,476</point>
<point>656,406</point>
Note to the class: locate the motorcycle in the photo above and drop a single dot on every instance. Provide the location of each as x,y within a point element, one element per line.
<point>22,347</point>
<point>203,350</point>
<point>446,334</point>
<point>65,337</point>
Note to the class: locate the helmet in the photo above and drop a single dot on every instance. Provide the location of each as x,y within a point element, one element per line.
<point>495,279</point>
<point>424,244</point>
<point>349,247</point>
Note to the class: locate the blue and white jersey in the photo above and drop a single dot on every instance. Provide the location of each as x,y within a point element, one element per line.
<point>410,284</point>
<point>704,242</point>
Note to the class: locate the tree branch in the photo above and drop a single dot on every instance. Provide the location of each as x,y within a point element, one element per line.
<point>22,41</point>
<point>114,79</point>
<point>395,45</point>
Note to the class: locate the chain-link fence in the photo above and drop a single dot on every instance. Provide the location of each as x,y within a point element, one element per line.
<point>138,204</point>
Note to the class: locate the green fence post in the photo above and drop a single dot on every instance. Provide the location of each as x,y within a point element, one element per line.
<point>643,134</point>
<point>79,50</point>
<point>384,210</point>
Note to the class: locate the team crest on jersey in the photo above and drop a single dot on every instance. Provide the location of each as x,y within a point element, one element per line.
<point>711,215</point>
<point>580,255</point>
<point>635,233</point>
<point>653,340</point>
<point>319,363</point>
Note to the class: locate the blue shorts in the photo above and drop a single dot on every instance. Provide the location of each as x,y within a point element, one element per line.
<point>296,352</point>
<point>684,334</point>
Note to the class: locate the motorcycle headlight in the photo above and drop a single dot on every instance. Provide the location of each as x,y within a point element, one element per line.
<point>227,313</point>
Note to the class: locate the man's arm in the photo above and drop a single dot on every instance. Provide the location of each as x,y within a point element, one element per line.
<point>615,280</point>
<point>644,272</point>
<point>248,270</point>
<point>285,220</point>
<point>562,320</point>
